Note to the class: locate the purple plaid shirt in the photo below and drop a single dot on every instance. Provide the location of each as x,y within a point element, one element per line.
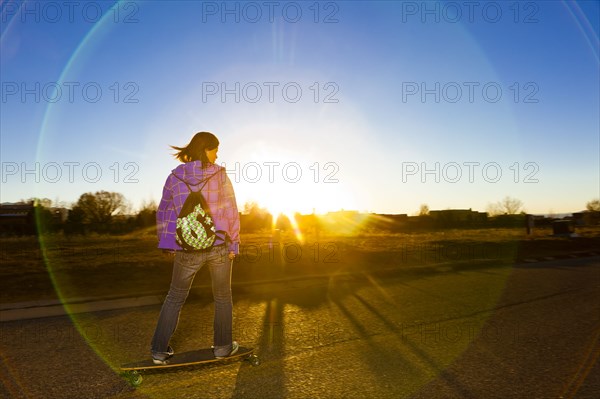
<point>219,196</point>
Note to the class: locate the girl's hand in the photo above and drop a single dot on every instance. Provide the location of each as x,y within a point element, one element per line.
<point>231,255</point>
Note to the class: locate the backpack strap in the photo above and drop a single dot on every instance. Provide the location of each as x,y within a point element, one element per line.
<point>203,182</point>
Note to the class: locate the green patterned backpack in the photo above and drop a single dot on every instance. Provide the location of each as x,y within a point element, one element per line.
<point>195,227</point>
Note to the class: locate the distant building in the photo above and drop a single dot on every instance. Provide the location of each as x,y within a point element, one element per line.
<point>21,218</point>
<point>586,218</point>
<point>17,219</point>
<point>458,218</point>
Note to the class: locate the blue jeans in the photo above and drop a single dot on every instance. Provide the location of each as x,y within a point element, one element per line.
<point>185,267</point>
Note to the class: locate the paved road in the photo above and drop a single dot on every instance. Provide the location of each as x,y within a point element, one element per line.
<point>531,331</point>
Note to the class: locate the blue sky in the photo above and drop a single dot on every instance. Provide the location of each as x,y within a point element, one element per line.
<point>372,106</point>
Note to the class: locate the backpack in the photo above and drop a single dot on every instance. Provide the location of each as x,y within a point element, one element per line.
<point>195,227</point>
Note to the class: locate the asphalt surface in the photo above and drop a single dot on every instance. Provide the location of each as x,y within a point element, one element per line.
<point>525,331</point>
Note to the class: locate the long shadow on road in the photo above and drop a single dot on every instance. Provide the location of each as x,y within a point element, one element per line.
<point>268,380</point>
<point>379,350</point>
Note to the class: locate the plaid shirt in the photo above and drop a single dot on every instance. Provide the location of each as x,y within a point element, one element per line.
<point>219,196</point>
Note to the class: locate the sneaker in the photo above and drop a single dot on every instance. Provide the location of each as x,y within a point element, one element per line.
<point>161,358</point>
<point>234,349</point>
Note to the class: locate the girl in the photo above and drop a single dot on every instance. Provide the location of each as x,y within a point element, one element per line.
<point>198,171</point>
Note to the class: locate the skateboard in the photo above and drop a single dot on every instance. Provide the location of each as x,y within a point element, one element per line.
<point>133,371</point>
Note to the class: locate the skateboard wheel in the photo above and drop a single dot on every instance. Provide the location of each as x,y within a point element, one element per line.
<point>135,378</point>
<point>254,360</point>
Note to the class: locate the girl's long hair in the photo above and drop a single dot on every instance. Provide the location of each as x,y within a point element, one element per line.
<point>196,148</point>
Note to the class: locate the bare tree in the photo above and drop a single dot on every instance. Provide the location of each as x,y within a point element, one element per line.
<point>256,217</point>
<point>100,207</point>
<point>146,216</point>
<point>507,206</point>
<point>593,205</point>
<point>253,208</point>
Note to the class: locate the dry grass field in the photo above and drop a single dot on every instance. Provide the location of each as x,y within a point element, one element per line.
<point>111,266</point>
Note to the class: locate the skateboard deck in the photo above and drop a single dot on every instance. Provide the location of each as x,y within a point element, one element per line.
<point>132,371</point>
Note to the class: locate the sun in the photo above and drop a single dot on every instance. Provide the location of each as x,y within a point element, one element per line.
<point>289,200</point>
<point>290,176</point>
<point>305,199</point>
